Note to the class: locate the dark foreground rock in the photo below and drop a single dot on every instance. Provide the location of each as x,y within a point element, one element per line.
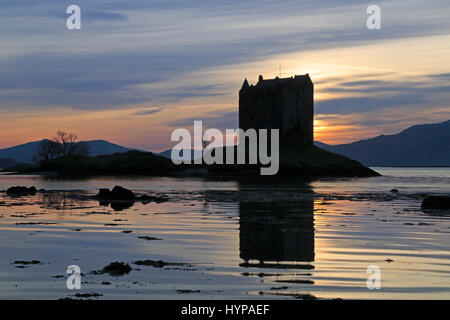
<point>117,193</point>
<point>104,194</point>
<point>88,295</point>
<point>436,202</point>
<point>21,191</point>
<point>158,263</point>
<point>115,269</point>
<point>22,262</point>
<point>120,198</point>
<point>121,193</point>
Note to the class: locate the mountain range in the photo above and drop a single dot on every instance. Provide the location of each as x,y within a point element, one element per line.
<point>195,154</point>
<point>24,153</point>
<point>420,145</point>
<point>7,162</point>
<point>425,145</point>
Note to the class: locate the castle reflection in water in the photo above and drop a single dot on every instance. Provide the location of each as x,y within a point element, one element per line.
<point>276,233</point>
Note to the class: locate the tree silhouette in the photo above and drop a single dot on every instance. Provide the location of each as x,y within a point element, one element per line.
<point>63,144</point>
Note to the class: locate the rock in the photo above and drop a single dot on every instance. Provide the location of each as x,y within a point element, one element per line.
<point>436,202</point>
<point>21,191</point>
<point>121,205</point>
<point>394,190</point>
<point>21,262</point>
<point>119,198</point>
<point>103,194</point>
<point>184,291</point>
<point>117,193</point>
<point>117,269</point>
<point>88,295</point>
<point>148,238</point>
<point>158,263</point>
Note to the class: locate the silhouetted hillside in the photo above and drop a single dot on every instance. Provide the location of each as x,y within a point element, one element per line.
<point>6,163</point>
<point>300,161</point>
<point>131,162</point>
<point>195,154</point>
<point>24,153</point>
<point>420,145</point>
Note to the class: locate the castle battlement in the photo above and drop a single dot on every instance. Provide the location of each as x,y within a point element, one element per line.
<point>286,104</point>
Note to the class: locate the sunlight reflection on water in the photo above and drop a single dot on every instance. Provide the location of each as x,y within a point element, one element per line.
<point>241,239</point>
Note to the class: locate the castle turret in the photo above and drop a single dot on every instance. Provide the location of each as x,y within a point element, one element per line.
<point>245,84</point>
<point>286,104</point>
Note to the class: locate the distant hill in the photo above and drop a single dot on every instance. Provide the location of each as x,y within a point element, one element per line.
<point>131,162</point>
<point>195,154</point>
<point>421,145</point>
<point>24,153</point>
<point>295,160</point>
<point>7,163</point>
<point>299,161</point>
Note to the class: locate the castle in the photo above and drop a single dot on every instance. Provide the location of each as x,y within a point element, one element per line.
<point>286,104</point>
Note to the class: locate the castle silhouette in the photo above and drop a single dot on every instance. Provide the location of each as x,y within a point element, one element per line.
<point>286,104</point>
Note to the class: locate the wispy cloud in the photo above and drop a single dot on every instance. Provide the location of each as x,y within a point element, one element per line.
<point>221,120</point>
<point>178,52</point>
<point>148,111</point>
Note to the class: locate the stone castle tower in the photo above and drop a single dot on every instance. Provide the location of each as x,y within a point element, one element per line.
<point>286,104</point>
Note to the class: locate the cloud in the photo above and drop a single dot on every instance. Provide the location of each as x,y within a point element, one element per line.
<point>105,16</point>
<point>140,42</point>
<point>154,52</point>
<point>220,120</point>
<point>148,111</point>
<point>367,95</point>
<point>95,81</point>
<point>440,76</point>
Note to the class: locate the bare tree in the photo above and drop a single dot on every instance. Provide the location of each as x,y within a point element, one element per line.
<point>63,144</point>
<point>69,143</point>
<point>66,140</point>
<point>47,150</point>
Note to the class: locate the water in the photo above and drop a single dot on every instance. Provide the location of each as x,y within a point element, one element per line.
<point>236,239</point>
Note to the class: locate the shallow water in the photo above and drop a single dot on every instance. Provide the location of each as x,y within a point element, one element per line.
<point>237,239</point>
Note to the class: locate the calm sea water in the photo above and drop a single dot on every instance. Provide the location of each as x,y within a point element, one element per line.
<point>233,239</point>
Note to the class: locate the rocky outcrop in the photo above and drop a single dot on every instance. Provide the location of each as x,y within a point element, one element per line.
<point>21,191</point>
<point>117,193</point>
<point>436,202</point>
<point>120,198</point>
<point>300,161</point>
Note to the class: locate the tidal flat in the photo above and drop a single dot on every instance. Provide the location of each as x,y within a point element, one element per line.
<point>227,239</point>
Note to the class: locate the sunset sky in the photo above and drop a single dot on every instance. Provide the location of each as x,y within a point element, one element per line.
<point>138,69</point>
